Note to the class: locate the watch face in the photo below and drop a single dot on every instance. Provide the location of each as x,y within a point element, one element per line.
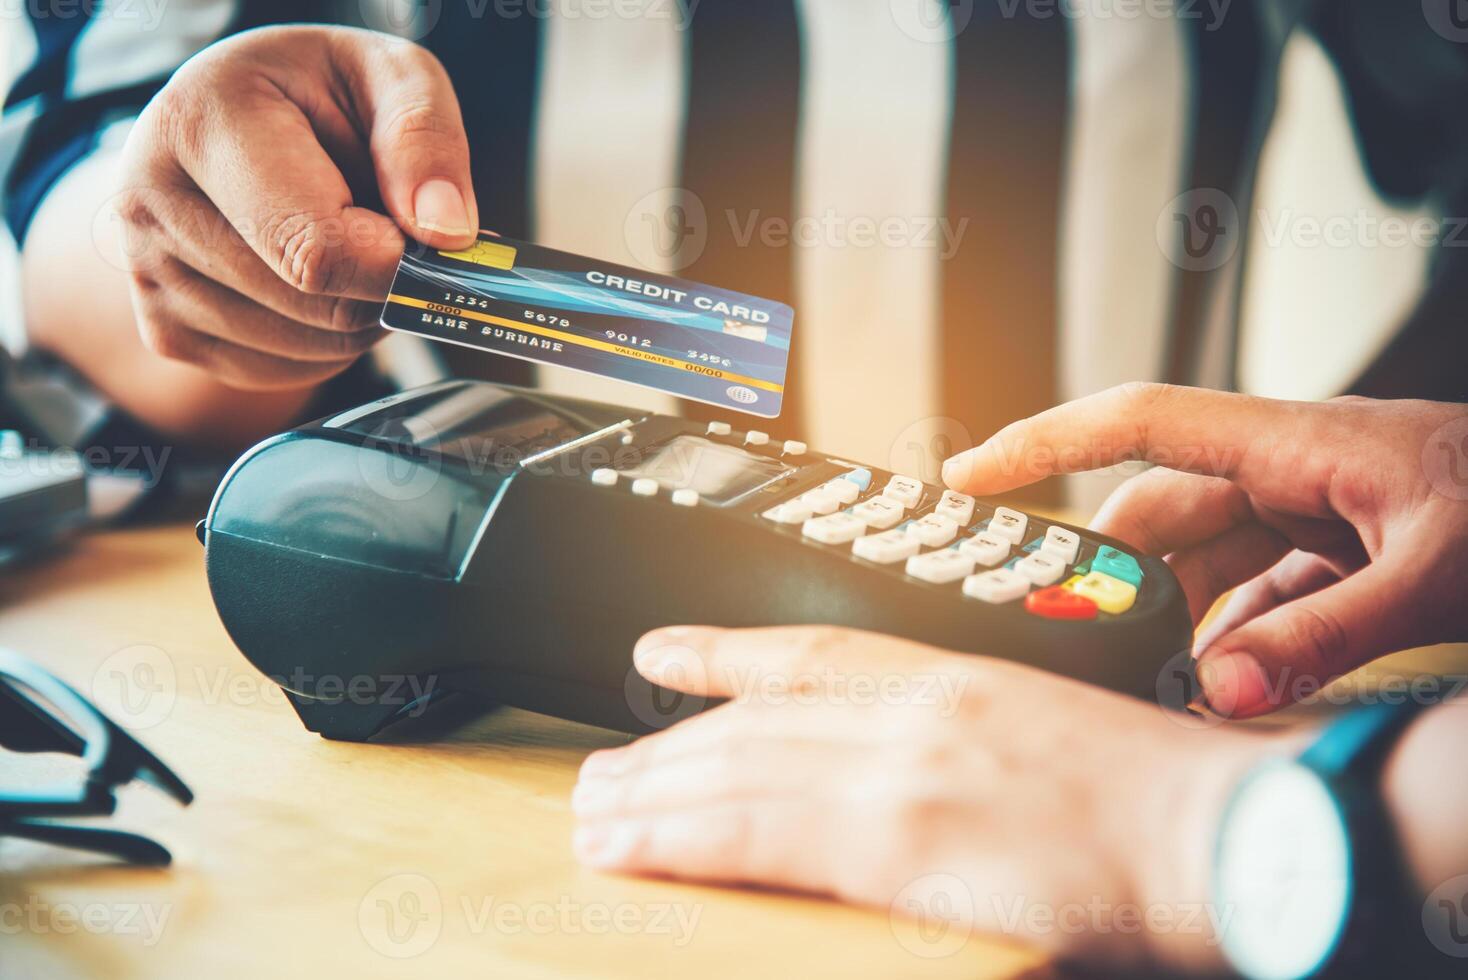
<point>1282,875</point>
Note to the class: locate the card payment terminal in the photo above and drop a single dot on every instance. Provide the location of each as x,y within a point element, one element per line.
<point>469,537</point>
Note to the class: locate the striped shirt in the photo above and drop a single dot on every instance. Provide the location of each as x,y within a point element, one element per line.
<point>977,207</point>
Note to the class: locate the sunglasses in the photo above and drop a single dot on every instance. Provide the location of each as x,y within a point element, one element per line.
<point>40,713</point>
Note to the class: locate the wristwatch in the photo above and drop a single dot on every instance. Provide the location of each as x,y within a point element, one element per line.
<point>1307,877</point>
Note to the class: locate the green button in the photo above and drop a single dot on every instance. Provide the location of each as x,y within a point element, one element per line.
<point>1117,564</point>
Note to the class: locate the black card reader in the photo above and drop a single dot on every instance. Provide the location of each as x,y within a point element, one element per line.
<point>469,537</point>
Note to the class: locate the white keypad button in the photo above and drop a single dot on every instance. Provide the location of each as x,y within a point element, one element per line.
<point>755,437</point>
<point>685,497</point>
<point>934,530</point>
<point>1061,544</point>
<point>720,428</point>
<point>959,506</point>
<point>793,447</point>
<point>645,487</point>
<point>820,501</point>
<point>999,585</point>
<point>940,567</point>
<point>1040,569</point>
<point>842,489</point>
<point>986,549</point>
<point>790,512</point>
<point>1008,524</point>
<point>904,489</point>
<point>885,548</point>
<point>879,512</point>
<point>834,528</point>
<point>604,477</point>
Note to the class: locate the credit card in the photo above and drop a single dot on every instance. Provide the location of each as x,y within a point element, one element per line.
<point>523,300</point>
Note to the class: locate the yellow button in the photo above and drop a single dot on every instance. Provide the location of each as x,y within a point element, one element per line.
<point>1070,583</point>
<point>1110,595</point>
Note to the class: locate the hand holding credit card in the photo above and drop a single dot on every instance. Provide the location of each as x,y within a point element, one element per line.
<point>523,300</point>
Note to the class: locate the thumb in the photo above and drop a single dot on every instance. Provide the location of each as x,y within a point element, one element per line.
<point>420,151</point>
<point>1293,650</point>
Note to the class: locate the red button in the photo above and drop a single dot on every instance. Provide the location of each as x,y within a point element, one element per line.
<point>1060,603</point>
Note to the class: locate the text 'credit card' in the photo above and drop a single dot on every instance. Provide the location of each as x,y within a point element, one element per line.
<point>538,304</point>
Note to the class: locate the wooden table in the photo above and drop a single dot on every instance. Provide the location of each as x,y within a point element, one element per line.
<point>308,858</point>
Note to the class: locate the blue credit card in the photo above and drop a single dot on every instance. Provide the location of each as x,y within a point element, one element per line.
<point>523,300</point>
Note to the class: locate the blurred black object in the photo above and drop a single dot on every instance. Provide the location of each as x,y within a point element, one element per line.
<point>39,713</point>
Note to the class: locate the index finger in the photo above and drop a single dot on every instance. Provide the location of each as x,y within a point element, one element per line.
<point>1197,430</point>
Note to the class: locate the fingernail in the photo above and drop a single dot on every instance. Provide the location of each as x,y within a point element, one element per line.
<point>439,206</point>
<point>604,846</point>
<point>593,795</point>
<point>654,648</point>
<point>603,763</point>
<point>956,470</point>
<point>1234,684</point>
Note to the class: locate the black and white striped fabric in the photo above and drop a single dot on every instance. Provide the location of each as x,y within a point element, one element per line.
<point>961,198</point>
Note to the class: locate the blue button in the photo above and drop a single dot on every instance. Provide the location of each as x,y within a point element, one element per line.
<point>861,477</point>
<point>1118,565</point>
<point>1034,545</point>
